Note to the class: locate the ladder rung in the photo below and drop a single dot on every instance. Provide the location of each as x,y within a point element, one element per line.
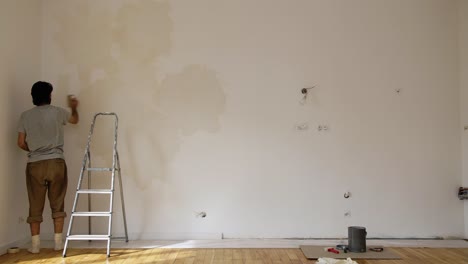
<point>88,237</point>
<point>91,213</point>
<point>100,169</point>
<point>105,191</point>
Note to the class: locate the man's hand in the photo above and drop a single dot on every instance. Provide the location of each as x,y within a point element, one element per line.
<point>73,104</point>
<point>22,141</point>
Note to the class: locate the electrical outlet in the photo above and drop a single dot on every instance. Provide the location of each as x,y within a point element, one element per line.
<point>200,214</point>
<point>322,128</point>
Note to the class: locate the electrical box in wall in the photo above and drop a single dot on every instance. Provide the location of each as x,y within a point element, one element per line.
<point>463,193</point>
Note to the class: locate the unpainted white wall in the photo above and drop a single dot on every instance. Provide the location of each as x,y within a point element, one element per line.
<point>20,53</point>
<point>208,94</point>
<point>463,46</point>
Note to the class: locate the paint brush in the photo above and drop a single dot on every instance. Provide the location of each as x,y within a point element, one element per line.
<point>70,99</point>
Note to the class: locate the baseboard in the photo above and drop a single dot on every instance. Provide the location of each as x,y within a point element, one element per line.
<point>230,236</point>
<point>172,236</point>
<point>16,243</point>
<point>156,236</point>
<point>204,236</point>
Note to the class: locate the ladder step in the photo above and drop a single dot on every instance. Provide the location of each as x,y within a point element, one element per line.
<point>100,169</point>
<point>91,213</point>
<point>104,191</point>
<point>88,237</point>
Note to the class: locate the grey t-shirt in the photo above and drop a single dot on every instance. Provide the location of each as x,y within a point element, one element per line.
<point>43,126</point>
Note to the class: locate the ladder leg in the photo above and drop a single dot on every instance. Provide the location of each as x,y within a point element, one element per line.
<point>89,195</point>
<point>64,254</point>
<point>108,247</point>
<point>122,199</point>
<point>110,236</point>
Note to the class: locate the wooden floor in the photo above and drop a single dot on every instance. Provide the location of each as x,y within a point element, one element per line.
<point>231,256</point>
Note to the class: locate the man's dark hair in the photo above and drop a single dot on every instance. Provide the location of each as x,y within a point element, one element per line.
<point>40,93</point>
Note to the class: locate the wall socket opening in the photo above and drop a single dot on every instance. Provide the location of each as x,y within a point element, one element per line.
<point>201,214</point>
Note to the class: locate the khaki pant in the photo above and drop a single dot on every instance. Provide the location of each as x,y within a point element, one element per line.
<point>46,176</point>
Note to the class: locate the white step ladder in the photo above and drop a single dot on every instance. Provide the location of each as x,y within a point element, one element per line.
<point>86,166</point>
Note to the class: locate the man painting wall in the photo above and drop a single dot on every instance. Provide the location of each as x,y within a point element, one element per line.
<point>40,133</point>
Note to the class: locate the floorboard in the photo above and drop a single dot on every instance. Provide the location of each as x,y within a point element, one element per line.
<point>225,256</point>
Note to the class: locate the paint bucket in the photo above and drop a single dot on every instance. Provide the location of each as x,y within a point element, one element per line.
<point>357,238</point>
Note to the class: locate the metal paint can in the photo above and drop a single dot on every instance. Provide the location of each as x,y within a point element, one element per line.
<point>357,238</point>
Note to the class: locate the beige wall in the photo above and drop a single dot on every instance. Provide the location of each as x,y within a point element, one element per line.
<point>20,51</point>
<point>463,45</point>
<point>208,94</point>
